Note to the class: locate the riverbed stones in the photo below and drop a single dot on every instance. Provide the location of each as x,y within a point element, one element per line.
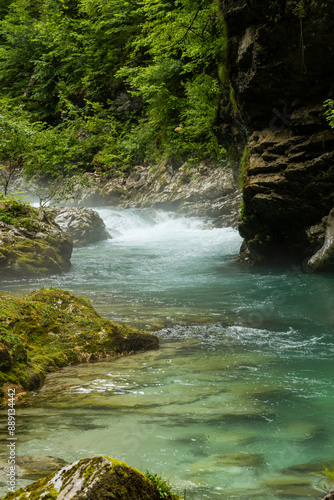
<point>31,244</point>
<point>33,467</point>
<point>92,479</point>
<point>291,487</point>
<point>82,225</point>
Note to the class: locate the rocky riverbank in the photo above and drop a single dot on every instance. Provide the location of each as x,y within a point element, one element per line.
<point>48,329</point>
<point>205,191</point>
<point>38,242</point>
<point>31,243</point>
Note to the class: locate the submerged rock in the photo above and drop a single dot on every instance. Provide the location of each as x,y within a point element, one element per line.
<point>31,244</point>
<point>291,487</point>
<point>82,225</point>
<point>33,467</point>
<point>49,329</point>
<point>93,479</point>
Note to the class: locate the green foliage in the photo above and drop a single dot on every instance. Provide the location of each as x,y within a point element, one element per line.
<point>329,474</point>
<point>276,9</point>
<point>329,113</point>
<point>17,137</point>
<point>112,81</point>
<point>164,489</point>
<point>14,212</point>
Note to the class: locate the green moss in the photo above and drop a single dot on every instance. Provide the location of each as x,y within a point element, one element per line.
<point>37,249</point>
<point>233,100</point>
<point>49,329</point>
<point>14,212</point>
<point>103,477</point>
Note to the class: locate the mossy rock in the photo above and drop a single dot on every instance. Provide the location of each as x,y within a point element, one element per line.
<point>31,243</point>
<point>92,479</point>
<point>49,329</point>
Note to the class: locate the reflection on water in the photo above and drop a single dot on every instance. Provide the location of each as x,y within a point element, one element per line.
<point>236,404</point>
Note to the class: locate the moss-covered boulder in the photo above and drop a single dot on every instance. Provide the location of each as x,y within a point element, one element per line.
<point>93,479</point>
<point>49,329</point>
<point>31,243</point>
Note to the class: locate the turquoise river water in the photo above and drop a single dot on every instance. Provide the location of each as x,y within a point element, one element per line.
<point>237,403</point>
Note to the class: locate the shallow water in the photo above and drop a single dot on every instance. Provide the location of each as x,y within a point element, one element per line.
<point>241,390</point>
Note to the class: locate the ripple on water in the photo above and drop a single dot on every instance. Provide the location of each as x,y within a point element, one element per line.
<point>241,390</point>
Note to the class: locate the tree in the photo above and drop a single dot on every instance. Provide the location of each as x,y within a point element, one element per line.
<point>17,136</point>
<point>141,76</point>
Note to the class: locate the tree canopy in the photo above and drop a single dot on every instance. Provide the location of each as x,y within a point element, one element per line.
<point>117,82</point>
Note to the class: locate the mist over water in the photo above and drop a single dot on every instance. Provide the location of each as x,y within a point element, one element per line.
<point>240,394</point>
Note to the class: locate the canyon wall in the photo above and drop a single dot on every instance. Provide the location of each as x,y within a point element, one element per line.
<point>281,68</point>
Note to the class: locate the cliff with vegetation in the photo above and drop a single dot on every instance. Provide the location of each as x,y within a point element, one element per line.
<point>113,90</point>
<point>280,61</point>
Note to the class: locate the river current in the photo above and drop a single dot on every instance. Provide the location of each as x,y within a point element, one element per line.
<point>237,403</point>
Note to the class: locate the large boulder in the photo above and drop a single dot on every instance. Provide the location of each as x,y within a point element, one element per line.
<point>82,225</point>
<point>323,259</point>
<point>31,244</point>
<point>93,479</point>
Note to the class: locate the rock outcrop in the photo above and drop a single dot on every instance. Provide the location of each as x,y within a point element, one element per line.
<point>281,70</point>
<point>324,257</point>
<point>31,244</point>
<point>82,225</point>
<point>48,329</point>
<point>93,479</point>
<point>204,191</point>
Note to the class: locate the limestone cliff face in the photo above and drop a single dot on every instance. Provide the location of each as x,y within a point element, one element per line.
<point>203,191</point>
<point>281,69</point>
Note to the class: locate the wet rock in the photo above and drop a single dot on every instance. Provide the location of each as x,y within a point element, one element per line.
<point>323,260</point>
<point>240,460</point>
<point>329,496</point>
<point>288,189</point>
<point>308,468</point>
<point>82,225</point>
<point>31,244</point>
<point>291,486</point>
<point>91,479</point>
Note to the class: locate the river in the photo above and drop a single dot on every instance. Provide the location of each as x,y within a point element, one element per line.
<point>237,403</point>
